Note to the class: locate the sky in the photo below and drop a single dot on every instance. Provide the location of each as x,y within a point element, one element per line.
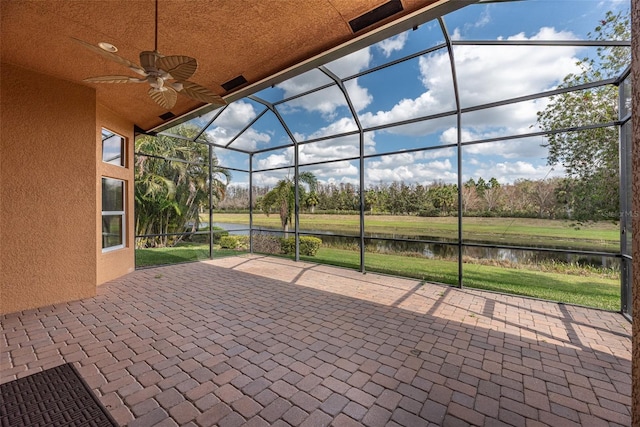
<point>421,87</point>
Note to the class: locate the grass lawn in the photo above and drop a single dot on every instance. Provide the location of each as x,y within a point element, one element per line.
<point>600,236</point>
<point>591,291</point>
<point>182,253</point>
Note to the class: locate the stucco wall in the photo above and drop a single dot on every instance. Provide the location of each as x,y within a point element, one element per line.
<point>121,261</point>
<point>47,190</point>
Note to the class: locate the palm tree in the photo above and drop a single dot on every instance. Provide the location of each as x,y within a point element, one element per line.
<point>312,201</point>
<point>282,197</point>
<point>172,184</point>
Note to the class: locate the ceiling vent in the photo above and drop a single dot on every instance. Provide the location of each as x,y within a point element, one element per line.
<point>234,83</point>
<point>376,15</point>
<point>168,115</point>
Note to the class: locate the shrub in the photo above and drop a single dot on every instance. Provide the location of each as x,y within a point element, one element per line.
<point>288,245</point>
<point>309,245</point>
<point>235,242</point>
<point>218,233</point>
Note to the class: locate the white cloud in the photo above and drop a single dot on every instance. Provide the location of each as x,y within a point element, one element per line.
<point>360,97</point>
<point>486,74</point>
<point>492,73</point>
<point>406,109</point>
<point>251,140</point>
<point>343,171</point>
<point>304,82</point>
<point>321,151</point>
<point>276,160</point>
<point>424,173</point>
<point>456,34</point>
<point>340,126</point>
<point>508,172</point>
<point>352,63</point>
<point>334,172</point>
<point>236,115</point>
<point>271,178</point>
<point>388,46</point>
<point>415,167</point>
<point>530,147</point>
<point>235,118</point>
<point>422,128</point>
<point>328,100</point>
<point>345,124</point>
<point>484,19</point>
<point>325,102</point>
<point>435,75</point>
<point>517,118</point>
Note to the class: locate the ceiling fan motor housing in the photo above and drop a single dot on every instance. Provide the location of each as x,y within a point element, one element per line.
<point>148,60</point>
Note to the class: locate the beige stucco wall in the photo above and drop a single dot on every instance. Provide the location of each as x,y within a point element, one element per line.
<point>115,263</point>
<point>47,190</point>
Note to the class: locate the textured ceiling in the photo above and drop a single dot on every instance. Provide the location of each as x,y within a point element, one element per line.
<point>255,38</point>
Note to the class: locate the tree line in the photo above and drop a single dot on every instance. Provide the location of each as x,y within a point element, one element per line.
<point>551,198</point>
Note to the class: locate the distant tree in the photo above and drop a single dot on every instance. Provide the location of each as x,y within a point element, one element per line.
<point>371,200</point>
<point>590,157</point>
<point>469,196</point>
<point>312,201</point>
<point>481,185</point>
<point>282,197</point>
<point>443,196</point>
<point>512,198</point>
<point>543,195</point>
<point>492,194</point>
<point>518,196</point>
<point>236,197</point>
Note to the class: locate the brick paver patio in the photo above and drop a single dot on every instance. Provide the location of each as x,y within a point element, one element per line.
<point>265,341</point>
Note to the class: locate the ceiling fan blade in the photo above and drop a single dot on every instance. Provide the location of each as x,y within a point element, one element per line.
<point>201,93</point>
<point>165,96</point>
<point>180,67</point>
<point>114,79</point>
<point>112,56</point>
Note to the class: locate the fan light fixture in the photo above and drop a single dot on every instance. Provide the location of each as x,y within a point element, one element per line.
<point>166,75</point>
<point>108,47</point>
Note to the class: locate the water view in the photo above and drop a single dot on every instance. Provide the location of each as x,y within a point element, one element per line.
<point>435,247</point>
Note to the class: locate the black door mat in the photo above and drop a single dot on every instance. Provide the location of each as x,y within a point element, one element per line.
<point>55,397</point>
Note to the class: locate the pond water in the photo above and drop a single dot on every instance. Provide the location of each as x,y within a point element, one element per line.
<point>378,243</point>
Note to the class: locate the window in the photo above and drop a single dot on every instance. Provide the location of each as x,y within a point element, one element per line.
<point>112,148</point>
<point>113,221</point>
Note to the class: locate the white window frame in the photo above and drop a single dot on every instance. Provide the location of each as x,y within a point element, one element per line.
<point>121,214</point>
<point>123,149</point>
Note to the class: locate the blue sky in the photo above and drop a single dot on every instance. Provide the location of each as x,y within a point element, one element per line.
<point>419,87</point>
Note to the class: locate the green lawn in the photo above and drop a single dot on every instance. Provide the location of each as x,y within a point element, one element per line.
<point>592,290</point>
<point>182,253</point>
<point>600,236</point>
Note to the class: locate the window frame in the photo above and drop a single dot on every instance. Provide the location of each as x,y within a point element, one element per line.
<point>123,148</point>
<point>119,213</point>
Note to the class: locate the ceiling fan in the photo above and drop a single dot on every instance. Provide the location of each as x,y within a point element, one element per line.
<point>167,75</point>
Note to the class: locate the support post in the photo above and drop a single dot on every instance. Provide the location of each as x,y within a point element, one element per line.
<point>210,202</point>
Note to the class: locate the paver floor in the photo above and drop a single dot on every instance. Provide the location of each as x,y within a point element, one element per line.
<point>265,341</point>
